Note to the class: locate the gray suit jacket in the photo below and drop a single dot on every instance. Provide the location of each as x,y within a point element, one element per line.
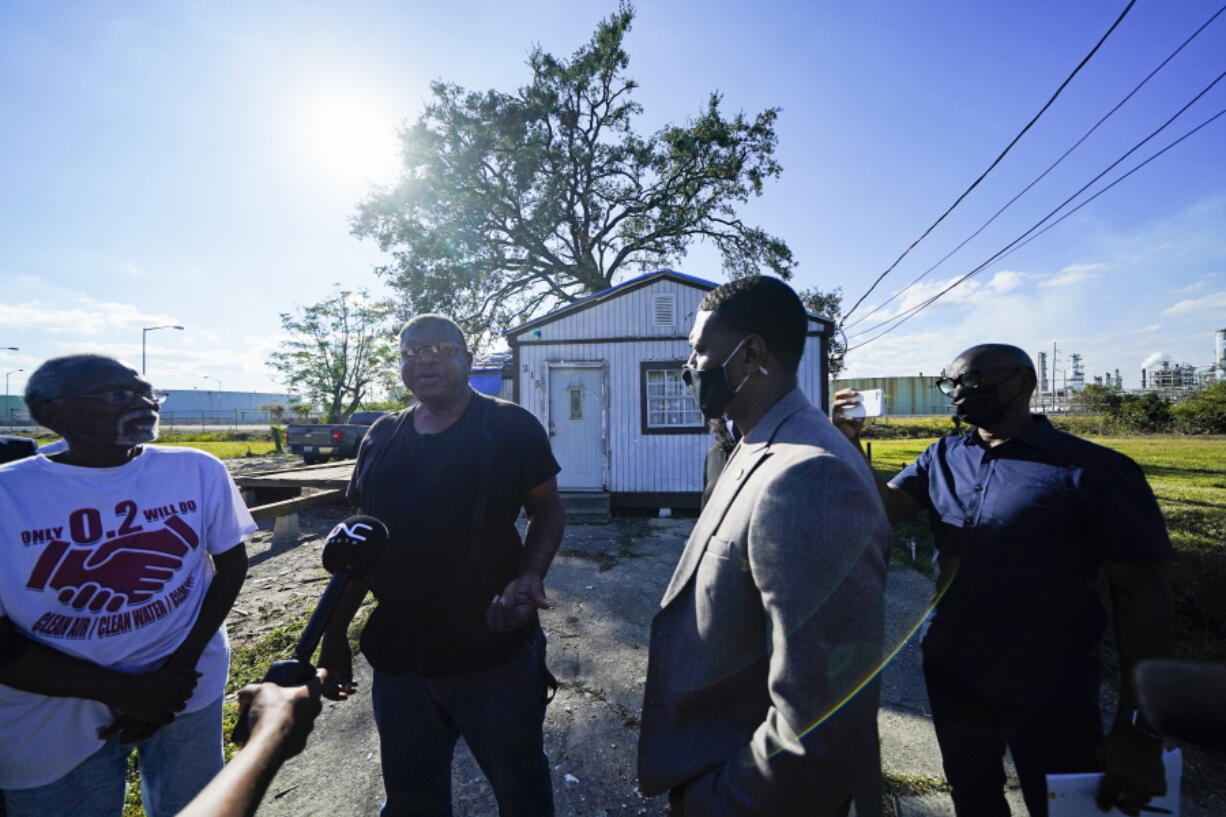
<point>761,696</point>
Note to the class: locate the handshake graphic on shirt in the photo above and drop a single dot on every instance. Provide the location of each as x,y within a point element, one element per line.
<point>129,569</point>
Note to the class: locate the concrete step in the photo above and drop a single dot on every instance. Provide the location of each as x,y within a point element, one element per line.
<point>586,506</point>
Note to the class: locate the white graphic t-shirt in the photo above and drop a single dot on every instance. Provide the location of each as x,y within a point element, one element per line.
<point>107,565</point>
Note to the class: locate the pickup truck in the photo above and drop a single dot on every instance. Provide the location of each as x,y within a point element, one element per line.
<point>320,443</point>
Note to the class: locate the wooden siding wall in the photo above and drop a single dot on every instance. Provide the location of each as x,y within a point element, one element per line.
<point>635,462</point>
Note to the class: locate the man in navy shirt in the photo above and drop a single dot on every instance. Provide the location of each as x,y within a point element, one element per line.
<point>1024,516</point>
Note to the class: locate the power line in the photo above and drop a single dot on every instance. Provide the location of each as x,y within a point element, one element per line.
<point>1079,190</point>
<point>1041,176</point>
<point>996,161</point>
<point>1025,238</point>
<point>1062,204</point>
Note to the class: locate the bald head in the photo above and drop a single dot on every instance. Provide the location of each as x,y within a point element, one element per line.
<point>991,354</point>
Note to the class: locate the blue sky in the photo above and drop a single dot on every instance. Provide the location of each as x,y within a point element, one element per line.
<point>196,163</point>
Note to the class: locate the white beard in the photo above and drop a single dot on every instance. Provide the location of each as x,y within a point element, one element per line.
<point>129,431</point>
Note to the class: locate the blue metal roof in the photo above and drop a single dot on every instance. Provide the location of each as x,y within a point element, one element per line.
<point>489,384</point>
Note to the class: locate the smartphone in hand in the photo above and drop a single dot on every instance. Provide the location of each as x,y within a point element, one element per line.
<point>872,404</point>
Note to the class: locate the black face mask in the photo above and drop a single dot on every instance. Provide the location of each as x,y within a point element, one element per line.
<point>982,406</point>
<point>981,409</point>
<point>710,386</point>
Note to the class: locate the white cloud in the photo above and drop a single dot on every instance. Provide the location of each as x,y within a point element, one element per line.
<point>1073,274</point>
<point>1191,306</point>
<point>1195,286</point>
<point>86,316</point>
<point>1008,280</point>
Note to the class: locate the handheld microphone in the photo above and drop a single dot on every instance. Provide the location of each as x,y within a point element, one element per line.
<point>350,552</point>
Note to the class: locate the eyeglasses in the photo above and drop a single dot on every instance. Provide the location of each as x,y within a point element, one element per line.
<point>436,349</point>
<point>121,397</point>
<point>973,379</point>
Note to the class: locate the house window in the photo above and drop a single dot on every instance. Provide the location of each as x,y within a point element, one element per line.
<point>667,406</point>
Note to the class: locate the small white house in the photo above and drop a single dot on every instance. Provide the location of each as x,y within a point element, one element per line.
<point>603,375</point>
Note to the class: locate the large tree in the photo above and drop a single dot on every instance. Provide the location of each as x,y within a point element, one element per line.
<point>338,352</point>
<point>829,305</point>
<point>510,203</point>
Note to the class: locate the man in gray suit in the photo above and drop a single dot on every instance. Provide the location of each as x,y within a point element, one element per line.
<point>760,696</point>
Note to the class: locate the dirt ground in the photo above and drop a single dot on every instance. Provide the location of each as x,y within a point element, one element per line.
<point>605,586</point>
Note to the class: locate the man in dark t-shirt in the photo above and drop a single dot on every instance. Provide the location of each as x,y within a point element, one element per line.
<point>454,641</point>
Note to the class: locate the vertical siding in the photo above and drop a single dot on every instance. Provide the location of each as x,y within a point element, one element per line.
<point>635,462</point>
<point>628,315</point>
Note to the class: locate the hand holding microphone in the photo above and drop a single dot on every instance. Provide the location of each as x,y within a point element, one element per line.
<point>352,550</point>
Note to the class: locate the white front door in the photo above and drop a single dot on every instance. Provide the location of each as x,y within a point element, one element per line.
<point>576,408</point>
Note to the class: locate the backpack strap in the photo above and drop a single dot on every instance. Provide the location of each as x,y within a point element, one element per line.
<point>485,472</point>
<point>378,456</point>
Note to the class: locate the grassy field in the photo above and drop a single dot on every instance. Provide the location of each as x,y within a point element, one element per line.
<point>1188,475</point>
<point>225,449</point>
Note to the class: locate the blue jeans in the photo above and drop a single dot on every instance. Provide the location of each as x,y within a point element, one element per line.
<point>499,711</point>
<point>175,764</point>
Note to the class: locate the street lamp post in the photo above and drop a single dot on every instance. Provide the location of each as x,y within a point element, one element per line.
<point>215,380</point>
<point>145,332</point>
<point>8,412</point>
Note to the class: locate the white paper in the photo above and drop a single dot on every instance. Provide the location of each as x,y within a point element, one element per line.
<point>871,404</point>
<point>1072,795</point>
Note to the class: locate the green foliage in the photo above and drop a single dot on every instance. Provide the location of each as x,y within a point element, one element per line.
<point>276,412</point>
<point>278,439</point>
<point>338,351</point>
<point>1146,413</point>
<point>893,428</point>
<point>510,203</point>
<point>1099,400</point>
<point>1203,412</point>
<point>829,305</point>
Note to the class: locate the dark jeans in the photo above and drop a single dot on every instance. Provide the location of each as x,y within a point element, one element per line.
<point>974,731</point>
<point>499,711</point>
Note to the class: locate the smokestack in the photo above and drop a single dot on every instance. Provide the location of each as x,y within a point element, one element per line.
<point>1142,378</point>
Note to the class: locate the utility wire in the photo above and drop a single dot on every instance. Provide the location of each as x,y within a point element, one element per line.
<point>1019,242</point>
<point>996,161</point>
<point>1079,191</point>
<point>1042,175</point>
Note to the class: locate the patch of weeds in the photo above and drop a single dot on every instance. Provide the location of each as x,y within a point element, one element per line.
<point>913,785</point>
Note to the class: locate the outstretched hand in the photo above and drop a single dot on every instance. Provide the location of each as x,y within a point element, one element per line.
<point>284,715</point>
<point>518,603</point>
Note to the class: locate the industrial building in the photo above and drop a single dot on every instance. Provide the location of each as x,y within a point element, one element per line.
<point>183,406</point>
<point>911,396</point>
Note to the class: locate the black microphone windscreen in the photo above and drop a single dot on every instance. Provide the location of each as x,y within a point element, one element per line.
<point>355,545</point>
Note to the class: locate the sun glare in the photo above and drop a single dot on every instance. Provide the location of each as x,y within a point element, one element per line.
<point>349,138</point>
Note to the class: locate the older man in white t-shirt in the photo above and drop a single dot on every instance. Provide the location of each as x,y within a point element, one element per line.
<point>118,564</point>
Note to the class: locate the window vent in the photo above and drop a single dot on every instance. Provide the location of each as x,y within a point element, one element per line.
<point>664,310</point>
